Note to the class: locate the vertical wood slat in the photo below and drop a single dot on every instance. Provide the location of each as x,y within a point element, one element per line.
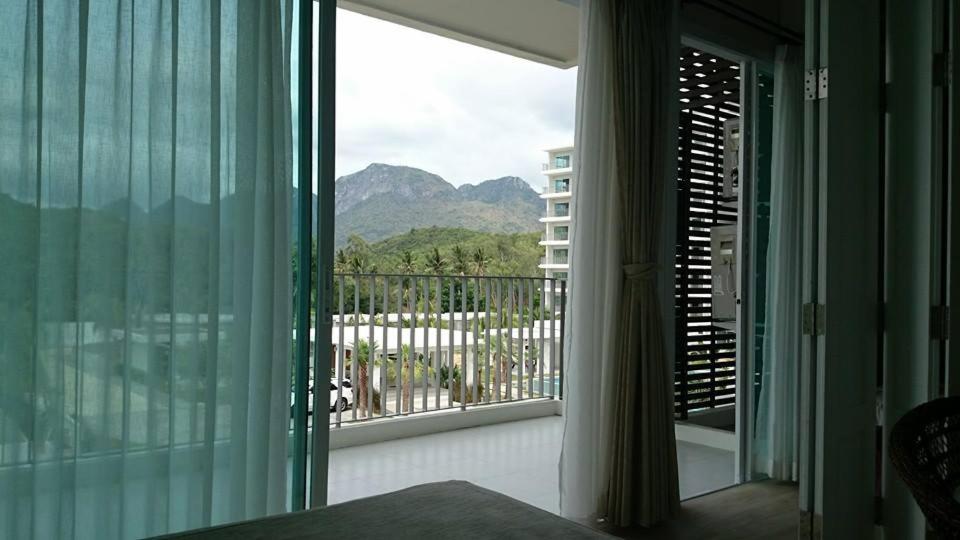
<point>701,347</point>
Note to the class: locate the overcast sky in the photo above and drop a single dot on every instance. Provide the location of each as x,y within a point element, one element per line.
<point>406,97</point>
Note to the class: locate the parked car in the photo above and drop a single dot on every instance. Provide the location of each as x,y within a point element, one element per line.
<point>344,403</point>
<point>346,399</point>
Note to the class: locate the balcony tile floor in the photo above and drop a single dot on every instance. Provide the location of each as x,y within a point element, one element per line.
<point>518,459</point>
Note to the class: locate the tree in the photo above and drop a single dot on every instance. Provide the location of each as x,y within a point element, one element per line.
<point>480,261</point>
<point>408,263</point>
<point>461,264</point>
<point>358,264</point>
<point>407,375</point>
<point>436,263</point>
<point>341,262</point>
<point>364,352</point>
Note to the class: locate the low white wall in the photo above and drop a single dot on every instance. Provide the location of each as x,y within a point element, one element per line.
<point>389,429</point>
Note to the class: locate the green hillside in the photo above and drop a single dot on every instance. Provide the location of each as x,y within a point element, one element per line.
<point>498,254</point>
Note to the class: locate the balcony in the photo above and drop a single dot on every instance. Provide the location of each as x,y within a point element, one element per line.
<point>496,422</point>
<point>518,459</point>
<point>555,168</point>
<point>411,344</point>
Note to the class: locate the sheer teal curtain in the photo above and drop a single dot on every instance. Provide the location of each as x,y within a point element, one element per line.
<point>776,440</point>
<point>145,193</point>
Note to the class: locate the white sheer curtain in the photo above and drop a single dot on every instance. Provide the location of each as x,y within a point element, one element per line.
<point>776,440</point>
<point>145,192</point>
<point>619,459</point>
<point>595,275</point>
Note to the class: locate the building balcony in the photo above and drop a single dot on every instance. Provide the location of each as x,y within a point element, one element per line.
<point>556,242</point>
<point>518,458</point>
<point>555,219</point>
<point>554,168</point>
<point>502,429</point>
<point>556,194</point>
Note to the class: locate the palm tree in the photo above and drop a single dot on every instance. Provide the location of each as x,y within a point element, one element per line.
<point>461,264</point>
<point>500,354</point>
<point>341,263</point>
<point>357,263</point>
<point>365,352</point>
<point>407,375</point>
<point>480,261</point>
<point>408,263</point>
<point>436,263</point>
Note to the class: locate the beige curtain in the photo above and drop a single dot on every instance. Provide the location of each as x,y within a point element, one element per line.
<point>643,486</point>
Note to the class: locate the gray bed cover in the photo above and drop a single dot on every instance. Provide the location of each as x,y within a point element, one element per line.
<point>448,510</point>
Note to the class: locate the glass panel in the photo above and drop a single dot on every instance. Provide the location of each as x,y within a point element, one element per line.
<point>145,288</point>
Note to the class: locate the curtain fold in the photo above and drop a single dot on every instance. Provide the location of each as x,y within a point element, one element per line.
<point>145,293</point>
<point>619,460</point>
<point>776,439</point>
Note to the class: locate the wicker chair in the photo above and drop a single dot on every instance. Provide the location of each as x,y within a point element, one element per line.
<point>925,450</point>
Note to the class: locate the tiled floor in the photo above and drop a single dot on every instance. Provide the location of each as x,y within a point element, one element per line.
<point>518,459</point>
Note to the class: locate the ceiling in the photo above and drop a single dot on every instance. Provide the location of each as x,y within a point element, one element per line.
<point>544,31</point>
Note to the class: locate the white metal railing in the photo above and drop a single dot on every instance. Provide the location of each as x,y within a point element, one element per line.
<point>410,344</point>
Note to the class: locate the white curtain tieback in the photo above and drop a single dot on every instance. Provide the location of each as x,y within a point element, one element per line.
<point>640,271</point>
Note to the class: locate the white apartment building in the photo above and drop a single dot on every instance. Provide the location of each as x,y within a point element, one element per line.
<point>557,193</point>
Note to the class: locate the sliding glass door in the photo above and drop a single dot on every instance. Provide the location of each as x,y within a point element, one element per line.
<point>145,293</point>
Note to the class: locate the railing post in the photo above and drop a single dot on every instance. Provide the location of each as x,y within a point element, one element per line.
<point>498,358</point>
<point>486,340</point>
<point>412,362</point>
<point>520,329</point>
<point>340,355</point>
<point>384,352</point>
<point>563,318</point>
<point>437,360</point>
<point>425,378</point>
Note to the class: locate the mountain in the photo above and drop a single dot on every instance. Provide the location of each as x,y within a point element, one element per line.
<point>386,200</point>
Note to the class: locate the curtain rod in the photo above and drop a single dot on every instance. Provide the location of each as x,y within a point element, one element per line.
<point>750,19</point>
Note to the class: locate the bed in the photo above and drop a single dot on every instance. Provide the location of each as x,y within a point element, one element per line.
<point>448,510</point>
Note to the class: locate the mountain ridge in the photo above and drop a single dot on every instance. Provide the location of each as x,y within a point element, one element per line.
<point>384,200</point>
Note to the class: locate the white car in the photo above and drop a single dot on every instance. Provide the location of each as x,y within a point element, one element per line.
<point>345,401</point>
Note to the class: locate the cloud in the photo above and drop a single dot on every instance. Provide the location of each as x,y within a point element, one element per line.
<point>412,98</point>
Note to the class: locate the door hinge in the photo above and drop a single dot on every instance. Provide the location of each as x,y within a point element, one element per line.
<point>942,69</point>
<point>814,317</point>
<point>815,84</point>
<point>939,322</point>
